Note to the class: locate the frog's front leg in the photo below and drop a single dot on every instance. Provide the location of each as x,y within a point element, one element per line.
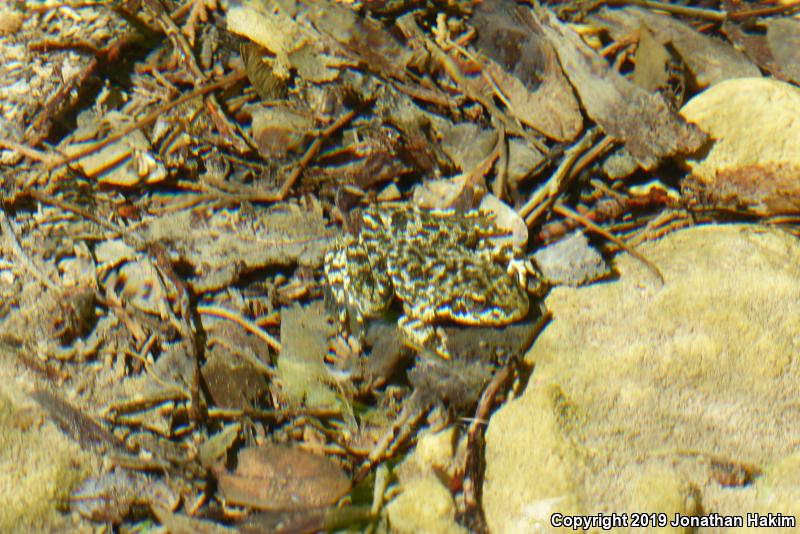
<point>514,260</point>
<point>423,336</point>
<point>341,279</point>
<point>337,280</point>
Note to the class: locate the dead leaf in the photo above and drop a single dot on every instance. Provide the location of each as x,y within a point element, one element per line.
<point>710,60</point>
<point>783,38</point>
<point>524,66</point>
<point>315,66</point>
<point>369,156</point>
<point>232,383</point>
<point>272,25</point>
<point>360,37</point>
<point>260,72</point>
<point>466,143</point>
<point>216,447</point>
<point>125,163</point>
<point>302,374</point>
<point>282,478</point>
<point>279,130</point>
<point>221,245</point>
<point>268,25</point>
<point>111,496</point>
<point>184,524</point>
<point>651,61</point>
<point>77,425</point>
<point>643,121</point>
<point>754,46</point>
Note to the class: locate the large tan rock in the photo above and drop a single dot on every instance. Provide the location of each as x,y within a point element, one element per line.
<point>753,162</point>
<point>424,504</point>
<point>40,464</point>
<point>661,398</point>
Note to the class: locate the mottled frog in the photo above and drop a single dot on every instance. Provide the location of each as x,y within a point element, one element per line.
<point>441,265</point>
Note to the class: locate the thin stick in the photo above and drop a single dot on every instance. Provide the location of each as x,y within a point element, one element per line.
<point>148,119</point>
<point>28,152</point>
<point>709,14</point>
<point>312,152</point>
<point>411,413</point>
<point>23,258</point>
<point>567,212</point>
<point>544,196</point>
<point>250,326</point>
<point>454,71</point>
<point>77,210</point>
<point>785,8</point>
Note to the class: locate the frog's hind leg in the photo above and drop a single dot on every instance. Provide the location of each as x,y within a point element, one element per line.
<point>369,288</point>
<point>423,336</point>
<point>337,279</point>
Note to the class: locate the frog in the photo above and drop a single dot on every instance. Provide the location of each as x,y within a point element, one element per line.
<point>443,266</point>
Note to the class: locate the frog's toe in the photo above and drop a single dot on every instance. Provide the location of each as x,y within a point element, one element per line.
<point>423,336</point>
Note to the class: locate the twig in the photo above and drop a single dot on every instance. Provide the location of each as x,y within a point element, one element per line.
<point>454,71</point>
<point>312,152</point>
<point>592,154</point>
<point>148,119</point>
<point>77,210</point>
<point>473,472</point>
<point>412,412</point>
<point>186,324</point>
<point>229,130</point>
<point>544,196</point>
<point>567,212</point>
<point>23,258</point>
<point>382,480</point>
<point>709,14</point>
<point>499,185</point>
<point>760,12</point>
<point>29,152</point>
<point>250,326</point>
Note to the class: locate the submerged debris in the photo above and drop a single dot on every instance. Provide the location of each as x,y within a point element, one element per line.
<point>176,172</point>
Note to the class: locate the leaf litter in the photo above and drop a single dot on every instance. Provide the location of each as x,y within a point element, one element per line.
<point>163,231</point>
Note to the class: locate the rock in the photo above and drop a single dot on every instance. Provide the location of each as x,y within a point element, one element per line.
<point>753,163</point>
<point>570,261</point>
<point>433,455</point>
<point>667,399</point>
<point>41,465</point>
<point>425,504</point>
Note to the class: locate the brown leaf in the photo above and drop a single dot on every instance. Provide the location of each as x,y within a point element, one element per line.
<point>262,76</point>
<point>282,478</point>
<point>651,60</point>
<point>643,121</point>
<point>75,423</point>
<point>710,60</point>
<point>525,67</point>
<point>232,384</point>
<point>363,38</point>
<point>220,248</point>
<point>279,130</point>
<point>184,524</point>
<point>754,46</point>
<point>112,496</point>
<point>783,38</point>
<point>765,189</point>
<point>302,374</point>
